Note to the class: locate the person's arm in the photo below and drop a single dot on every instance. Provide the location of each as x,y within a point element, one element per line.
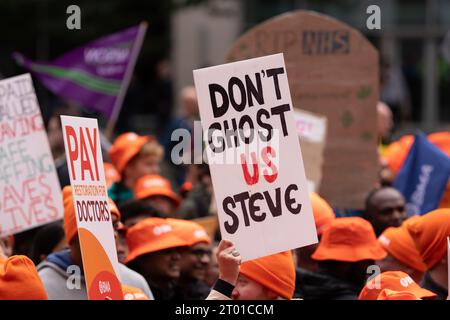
<point>229,261</point>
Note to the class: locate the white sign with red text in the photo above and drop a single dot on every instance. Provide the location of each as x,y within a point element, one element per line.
<point>95,230</point>
<point>30,193</point>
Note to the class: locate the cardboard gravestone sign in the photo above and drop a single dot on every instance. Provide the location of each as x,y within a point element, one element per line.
<point>333,71</point>
<point>30,193</point>
<point>93,215</point>
<point>254,156</point>
<point>311,129</point>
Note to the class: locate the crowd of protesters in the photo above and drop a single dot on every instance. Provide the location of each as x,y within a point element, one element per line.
<point>165,252</point>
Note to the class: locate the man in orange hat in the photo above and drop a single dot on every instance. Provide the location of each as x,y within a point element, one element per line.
<point>157,192</point>
<point>385,207</point>
<point>155,253</point>
<point>19,279</point>
<point>61,272</point>
<point>395,281</point>
<point>133,156</point>
<point>402,252</point>
<point>195,260</point>
<point>347,248</point>
<point>430,233</point>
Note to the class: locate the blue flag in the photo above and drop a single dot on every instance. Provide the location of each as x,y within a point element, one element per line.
<point>423,177</point>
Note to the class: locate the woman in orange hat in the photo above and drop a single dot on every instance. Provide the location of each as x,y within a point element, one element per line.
<point>133,156</point>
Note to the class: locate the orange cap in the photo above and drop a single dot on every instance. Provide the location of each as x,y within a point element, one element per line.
<point>70,220</point>
<point>19,280</point>
<point>151,235</point>
<point>132,293</point>
<point>191,232</point>
<point>349,239</point>
<point>323,213</point>
<point>111,174</point>
<point>399,244</point>
<point>430,233</point>
<point>387,294</point>
<point>441,140</point>
<point>397,151</point>
<point>154,185</point>
<point>395,281</point>
<point>126,147</point>
<point>275,272</point>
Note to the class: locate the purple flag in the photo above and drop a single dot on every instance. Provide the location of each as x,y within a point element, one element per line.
<point>97,74</point>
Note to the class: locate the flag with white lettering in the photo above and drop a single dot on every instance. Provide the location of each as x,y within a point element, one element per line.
<point>423,177</point>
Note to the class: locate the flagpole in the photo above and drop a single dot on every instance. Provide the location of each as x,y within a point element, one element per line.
<point>126,81</point>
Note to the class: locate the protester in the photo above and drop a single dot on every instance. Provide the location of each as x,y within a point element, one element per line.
<point>50,238</point>
<point>385,207</point>
<point>133,156</point>
<point>195,260</point>
<point>347,248</point>
<point>54,271</point>
<point>430,233</point>
<point>398,283</point>
<point>402,252</point>
<point>155,253</point>
<point>156,191</point>
<point>385,124</point>
<point>268,278</point>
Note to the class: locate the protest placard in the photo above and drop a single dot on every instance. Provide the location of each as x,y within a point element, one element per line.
<point>254,156</point>
<point>93,215</point>
<point>311,130</point>
<point>333,72</point>
<point>30,194</point>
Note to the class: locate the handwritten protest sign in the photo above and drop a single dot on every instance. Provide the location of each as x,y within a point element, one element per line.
<point>254,156</point>
<point>30,194</point>
<point>311,130</point>
<point>93,215</point>
<point>333,72</point>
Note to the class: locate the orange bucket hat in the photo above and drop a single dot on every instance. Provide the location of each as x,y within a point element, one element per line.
<point>349,239</point>
<point>398,243</point>
<point>19,280</point>
<point>275,272</point>
<point>191,232</point>
<point>126,147</point>
<point>155,185</point>
<point>430,233</point>
<point>70,221</point>
<point>322,211</point>
<point>395,281</point>
<point>151,235</point>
